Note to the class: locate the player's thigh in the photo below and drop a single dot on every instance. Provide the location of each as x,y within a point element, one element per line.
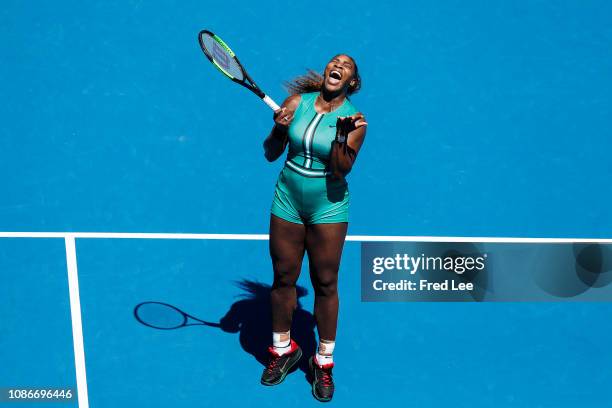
<point>324,244</point>
<point>287,245</point>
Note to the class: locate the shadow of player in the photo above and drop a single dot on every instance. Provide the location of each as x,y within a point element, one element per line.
<point>250,316</point>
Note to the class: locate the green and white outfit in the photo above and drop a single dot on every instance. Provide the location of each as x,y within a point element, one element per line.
<point>305,192</point>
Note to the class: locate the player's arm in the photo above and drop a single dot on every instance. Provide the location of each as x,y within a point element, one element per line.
<point>275,143</point>
<point>350,134</point>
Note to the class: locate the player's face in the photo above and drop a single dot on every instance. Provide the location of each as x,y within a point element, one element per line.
<point>339,73</point>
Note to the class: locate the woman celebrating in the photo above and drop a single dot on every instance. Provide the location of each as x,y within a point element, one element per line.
<point>324,132</point>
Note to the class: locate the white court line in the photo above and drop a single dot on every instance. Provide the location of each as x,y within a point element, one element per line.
<point>263,237</point>
<point>77,326</point>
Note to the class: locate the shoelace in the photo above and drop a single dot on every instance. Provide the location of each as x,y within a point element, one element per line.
<point>326,378</point>
<point>273,365</point>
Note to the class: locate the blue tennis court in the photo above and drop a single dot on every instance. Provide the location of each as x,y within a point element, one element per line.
<point>486,119</point>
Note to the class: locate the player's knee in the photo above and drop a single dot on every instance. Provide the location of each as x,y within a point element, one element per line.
<point>285,276</point>
<point>286,268</point>
<point>326,286</point>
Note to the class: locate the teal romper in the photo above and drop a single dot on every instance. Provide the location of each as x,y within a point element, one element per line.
<point>305,191</point>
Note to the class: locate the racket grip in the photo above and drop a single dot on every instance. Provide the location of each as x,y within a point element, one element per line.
<point>270,103</point>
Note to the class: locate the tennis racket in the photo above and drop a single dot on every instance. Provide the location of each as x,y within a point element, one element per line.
<point>166,317</point>
<point>222,57</point>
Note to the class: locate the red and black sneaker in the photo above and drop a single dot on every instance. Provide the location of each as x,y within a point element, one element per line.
<point>322,380</point>
<point>279,366</point>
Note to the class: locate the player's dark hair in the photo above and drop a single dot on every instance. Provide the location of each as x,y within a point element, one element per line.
<point>312,81</point>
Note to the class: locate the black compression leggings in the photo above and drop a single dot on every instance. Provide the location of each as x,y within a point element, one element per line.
<point>323,243</point>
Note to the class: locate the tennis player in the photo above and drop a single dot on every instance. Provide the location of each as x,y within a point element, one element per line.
<point>324,132</point>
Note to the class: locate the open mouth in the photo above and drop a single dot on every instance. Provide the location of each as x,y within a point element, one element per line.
<point>335,77</point>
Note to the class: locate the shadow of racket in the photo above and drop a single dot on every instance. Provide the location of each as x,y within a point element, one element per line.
<point>163,316</point>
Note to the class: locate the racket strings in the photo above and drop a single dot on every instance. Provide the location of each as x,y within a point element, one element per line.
<point>221,57</point>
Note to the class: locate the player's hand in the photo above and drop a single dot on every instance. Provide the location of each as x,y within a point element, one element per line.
<point>283,117</point>
<point>346,124</point>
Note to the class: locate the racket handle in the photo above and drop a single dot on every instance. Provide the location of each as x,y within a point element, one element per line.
<point>270,103</point>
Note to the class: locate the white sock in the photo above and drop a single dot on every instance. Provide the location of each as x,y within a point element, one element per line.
<point>325,352</point>
<point>281,342</point>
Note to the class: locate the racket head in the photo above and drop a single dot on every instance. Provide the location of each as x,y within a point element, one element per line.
<point>221,56</point>
<point>159,315</point>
